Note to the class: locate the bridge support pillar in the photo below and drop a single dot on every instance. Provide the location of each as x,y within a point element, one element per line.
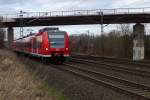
<point>10,36</point>
<point>138,42</point>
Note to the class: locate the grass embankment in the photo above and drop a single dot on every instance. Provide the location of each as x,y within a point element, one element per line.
<point>35,72</point>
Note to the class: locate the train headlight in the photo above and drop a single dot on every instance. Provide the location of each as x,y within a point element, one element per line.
<point>46,49</point>
<point>67,49</point>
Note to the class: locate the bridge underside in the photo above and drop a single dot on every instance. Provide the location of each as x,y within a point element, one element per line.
<point>79,20</point>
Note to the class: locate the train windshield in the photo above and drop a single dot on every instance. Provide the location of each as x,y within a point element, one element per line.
<point>57,40</point>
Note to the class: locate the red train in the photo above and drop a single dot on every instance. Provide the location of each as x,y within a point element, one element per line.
<point>48,43</point>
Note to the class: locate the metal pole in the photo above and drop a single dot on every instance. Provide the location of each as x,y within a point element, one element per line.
<point>102,33</point>
<point>21,23</point>
<point>88,33</point>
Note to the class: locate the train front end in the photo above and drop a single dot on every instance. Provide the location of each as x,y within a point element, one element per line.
<point>59,46</point>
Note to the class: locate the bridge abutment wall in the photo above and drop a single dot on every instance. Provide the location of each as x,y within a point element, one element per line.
<point>138,42</point>
<point>10,36</point>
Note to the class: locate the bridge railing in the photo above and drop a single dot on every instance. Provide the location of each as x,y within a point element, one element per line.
<point>79,12</point>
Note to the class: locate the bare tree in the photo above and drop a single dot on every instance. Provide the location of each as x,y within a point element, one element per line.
<point>116,43</point>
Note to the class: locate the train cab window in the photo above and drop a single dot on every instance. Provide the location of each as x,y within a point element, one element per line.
<point>57,40</point>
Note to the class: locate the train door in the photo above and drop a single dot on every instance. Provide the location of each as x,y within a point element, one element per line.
<point>37,49</point>
<point>39,43</point>
<point>34,45</point>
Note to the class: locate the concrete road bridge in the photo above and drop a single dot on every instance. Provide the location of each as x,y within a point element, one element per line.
<point>77,17</point>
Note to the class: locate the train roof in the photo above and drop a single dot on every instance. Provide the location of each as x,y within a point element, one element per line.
<point>31,34</point>
<point>49,29</point>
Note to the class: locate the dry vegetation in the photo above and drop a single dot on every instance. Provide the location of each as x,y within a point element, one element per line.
<point>16,83</point>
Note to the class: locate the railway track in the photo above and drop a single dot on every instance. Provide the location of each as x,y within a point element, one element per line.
<point>141,91</point>
<point>139,71</point>
<point>144,63</point>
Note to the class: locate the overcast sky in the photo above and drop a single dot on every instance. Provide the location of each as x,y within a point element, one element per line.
<point>50,5</point>
<point>12,6</point>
